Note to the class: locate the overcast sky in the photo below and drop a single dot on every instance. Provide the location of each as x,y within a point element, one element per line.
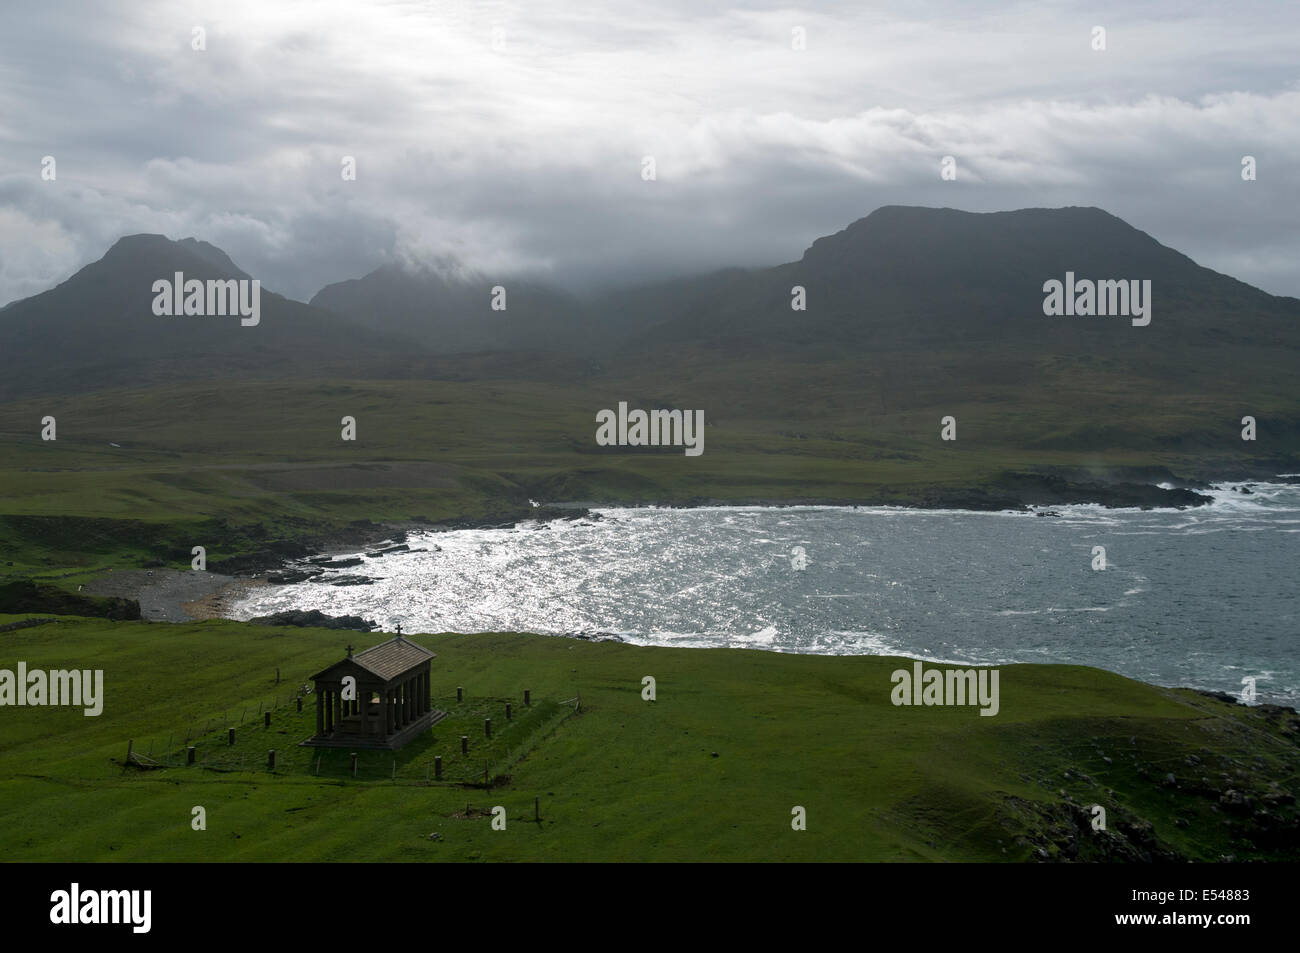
<point>511,135</point>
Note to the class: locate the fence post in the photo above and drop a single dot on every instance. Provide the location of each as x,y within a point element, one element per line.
<point>230,736</point>
<point>487,727</point>
<point>189,754</point>
<point>354,764</point>
<point>268,719</point>
<point>527,697</point>
<point>464,744</point>
<point>537,809</point>
<point>460,694</point>
<point>507,711</point>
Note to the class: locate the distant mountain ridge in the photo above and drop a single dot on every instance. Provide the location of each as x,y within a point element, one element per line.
<point>906,277</point>
<point>885,296</point>
<point>455,314</point>
<point>98,330</point>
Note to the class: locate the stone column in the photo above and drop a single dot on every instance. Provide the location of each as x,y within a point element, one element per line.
<point>320,714</point>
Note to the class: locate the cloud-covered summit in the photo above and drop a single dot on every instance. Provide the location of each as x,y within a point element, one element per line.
<point>510,137</point>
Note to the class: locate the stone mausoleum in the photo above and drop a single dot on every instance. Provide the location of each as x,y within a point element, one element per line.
<point>391,702</point>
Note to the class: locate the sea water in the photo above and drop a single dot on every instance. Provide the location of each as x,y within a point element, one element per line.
<point>1203,597</point>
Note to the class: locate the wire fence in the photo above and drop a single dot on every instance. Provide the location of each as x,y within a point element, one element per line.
<point>444,755</point>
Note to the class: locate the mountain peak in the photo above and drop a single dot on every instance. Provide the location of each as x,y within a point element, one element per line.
<point>931,238</point>
<point>146,247</point>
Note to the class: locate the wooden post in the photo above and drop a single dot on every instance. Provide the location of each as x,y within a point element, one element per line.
<point>437,768</point>
<point>507,711</point>
<point>189,754</point>
<point>487,727</point>
<point>230,736</point>
<point>460,694</point>
<point>528,697</point>
<point>464,744</point>
<point>537,809</point>
<point>354,764</point>
<point>300,704</point>
<point>270,760</point>
<point>268,719</point>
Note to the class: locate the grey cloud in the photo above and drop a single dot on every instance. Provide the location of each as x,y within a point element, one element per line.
<point>528,159</point>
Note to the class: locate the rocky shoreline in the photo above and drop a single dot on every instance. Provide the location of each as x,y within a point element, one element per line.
<point>178,596</point>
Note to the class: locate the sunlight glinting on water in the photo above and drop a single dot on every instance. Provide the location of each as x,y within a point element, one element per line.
<point>1171,607</point>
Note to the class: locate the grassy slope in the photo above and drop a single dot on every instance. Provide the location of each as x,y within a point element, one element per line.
<point>626,779</point>
<point>232,467</point>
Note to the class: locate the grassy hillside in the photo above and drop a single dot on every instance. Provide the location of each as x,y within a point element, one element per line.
<point>629,779</point>
<point>268,458</point>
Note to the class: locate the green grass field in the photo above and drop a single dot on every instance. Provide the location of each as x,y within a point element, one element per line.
<point>253,468</point>
<point>239,468</point>
<point>628,779</point>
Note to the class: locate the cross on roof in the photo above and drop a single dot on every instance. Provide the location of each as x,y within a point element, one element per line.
<point>349,650</point>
